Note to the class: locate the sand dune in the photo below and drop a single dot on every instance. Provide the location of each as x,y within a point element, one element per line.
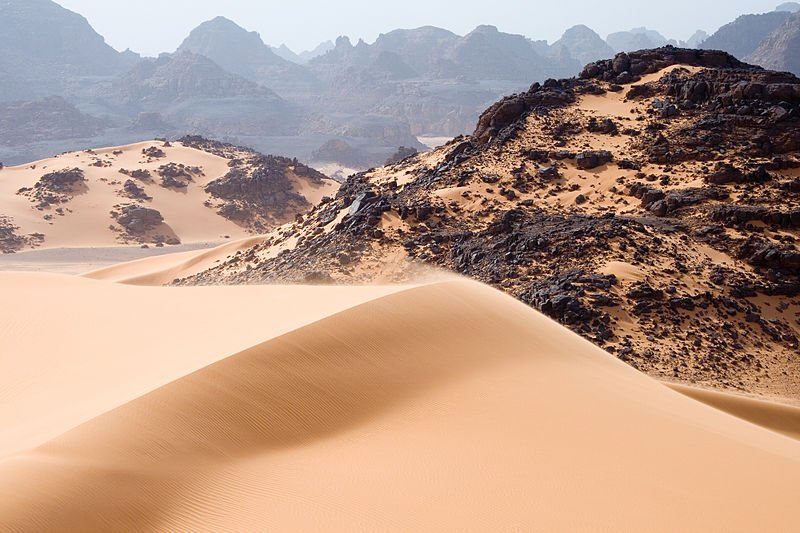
<point>85,220</point>
<point>81,214</point>
<point>778,417</point>
<point>162,270</point>
<point>73,348</point>
<point>447,406</point>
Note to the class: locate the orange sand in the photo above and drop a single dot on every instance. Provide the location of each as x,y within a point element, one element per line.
<point>447,406</point>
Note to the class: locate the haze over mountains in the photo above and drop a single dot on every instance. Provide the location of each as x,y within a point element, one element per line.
<point>349,103</point>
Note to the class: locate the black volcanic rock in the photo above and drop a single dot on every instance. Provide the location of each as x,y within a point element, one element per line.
<point>649,61</point>
<point>262,185</point>
<point>500,119</point>
<point>593,159</point>
<point>136,219</point>
<point>10,240</point>
<point>743,36</point>
<point>508,112</point>
<point>56,187</point>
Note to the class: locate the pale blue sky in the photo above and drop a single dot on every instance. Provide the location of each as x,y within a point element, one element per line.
<point>153,26</point>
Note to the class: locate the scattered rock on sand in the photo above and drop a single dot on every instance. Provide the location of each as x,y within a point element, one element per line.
<point>136,219</point>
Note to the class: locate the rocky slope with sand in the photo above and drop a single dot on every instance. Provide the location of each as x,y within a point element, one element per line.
<point>651,205</point>
<point>152,193</point>
<point>441,406</point>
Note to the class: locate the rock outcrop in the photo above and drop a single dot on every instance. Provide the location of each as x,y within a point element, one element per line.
<point>259,191</point>
<point>136,219</point>
<point>56,187</point>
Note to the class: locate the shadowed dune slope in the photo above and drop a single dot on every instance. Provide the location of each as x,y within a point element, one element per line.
<point>443,407</point>
<point>775,416</point>
<point>73,348</point>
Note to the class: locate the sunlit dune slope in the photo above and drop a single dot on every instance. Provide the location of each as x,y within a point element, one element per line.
<point>162,270</point>
<point>152,192</point>
<point>442,407</point>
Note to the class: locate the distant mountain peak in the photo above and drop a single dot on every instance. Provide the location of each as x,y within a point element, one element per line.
<point>791,7</point>
<point>637,39</point>
<point>743,36</point>
<point>486,28</point>
<point>47,47</point>
<point>214,31</point>
<point>583,44</point>
<point>343,41</point>
<point>780,50</point>
<point>244,53</point>
<point>287,53</point>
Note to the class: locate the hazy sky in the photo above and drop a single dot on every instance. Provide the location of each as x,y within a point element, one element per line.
<point>154,26</point>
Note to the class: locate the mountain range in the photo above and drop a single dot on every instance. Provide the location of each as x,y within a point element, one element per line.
<point>225,82</point>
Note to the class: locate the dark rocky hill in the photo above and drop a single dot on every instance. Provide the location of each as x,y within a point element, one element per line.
<point>652,205</point>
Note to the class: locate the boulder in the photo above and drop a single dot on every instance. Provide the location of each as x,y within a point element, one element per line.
<point>137,219</point>
<point>593,159</point>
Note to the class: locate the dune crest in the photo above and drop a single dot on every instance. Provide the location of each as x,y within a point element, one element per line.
<point>446,406</point>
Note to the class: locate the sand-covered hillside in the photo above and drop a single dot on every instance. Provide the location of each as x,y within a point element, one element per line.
<point>152,193</point>
<point>650,205</point>
<point>446,405</point>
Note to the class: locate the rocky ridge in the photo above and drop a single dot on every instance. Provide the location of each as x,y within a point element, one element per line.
<point>651,205</point>
<point>259,191</point>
